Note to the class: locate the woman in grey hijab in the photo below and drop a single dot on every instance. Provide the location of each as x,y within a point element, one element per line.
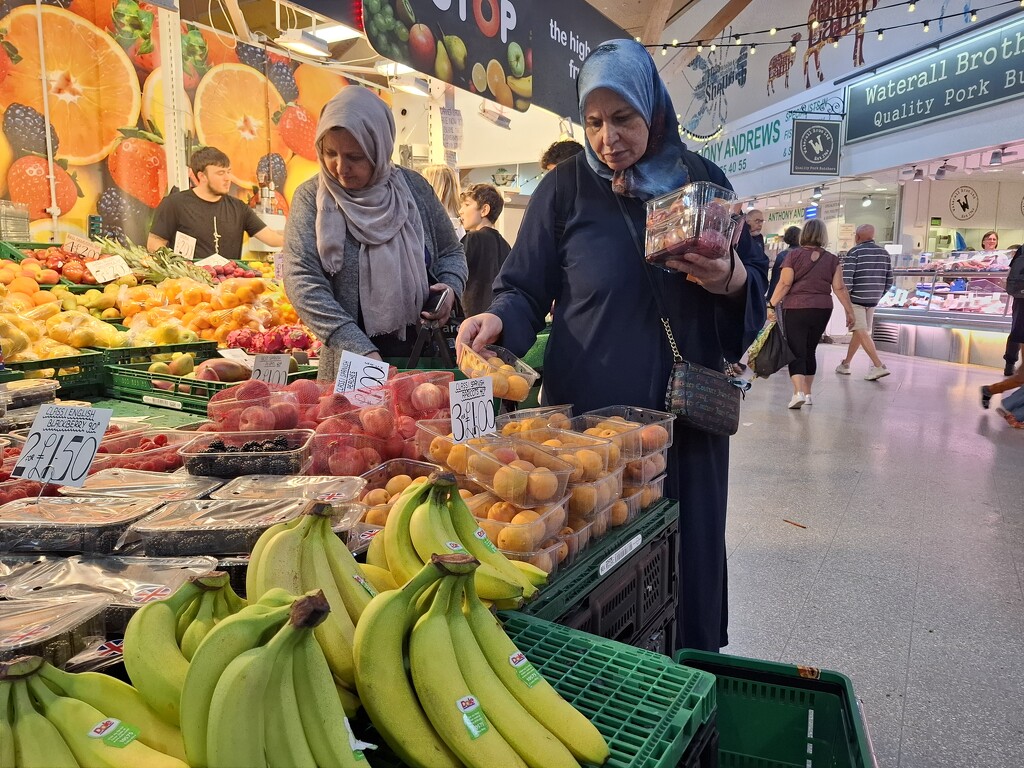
<point>367,241</point>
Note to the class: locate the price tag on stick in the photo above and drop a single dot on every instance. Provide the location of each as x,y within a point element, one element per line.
<point>61,444</point>
<point>82,246</point>
<point>472,408</point>
<point>109,269</point>
<point>272,369</point>
<point>357,374</point>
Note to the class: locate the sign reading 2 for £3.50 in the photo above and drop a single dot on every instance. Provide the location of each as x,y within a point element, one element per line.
<point>513,52</point>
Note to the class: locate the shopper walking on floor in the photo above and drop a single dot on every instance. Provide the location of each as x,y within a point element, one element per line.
<point>1015,287</point>
<point>486,250</point>
<point>867,272</point>
<point>607,345</point>
<point>791,237</point>
<point>809,277</point>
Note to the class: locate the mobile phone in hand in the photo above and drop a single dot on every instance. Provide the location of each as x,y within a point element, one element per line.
<point>435,301</point>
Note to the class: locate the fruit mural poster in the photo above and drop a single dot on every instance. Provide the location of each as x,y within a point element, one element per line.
<point>108,121</point>
<point>513,52</point>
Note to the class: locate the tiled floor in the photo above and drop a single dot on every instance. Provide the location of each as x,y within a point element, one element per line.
<point>908,576</point>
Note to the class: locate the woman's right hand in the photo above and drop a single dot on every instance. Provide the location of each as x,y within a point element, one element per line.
<point>477,332</point>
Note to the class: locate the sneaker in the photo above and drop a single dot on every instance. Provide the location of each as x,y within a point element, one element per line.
<point>986,396</point>
<point>1008,370</point>
<point>807,400</point>
<point>875,373</point>
<point>797,401</point>
<point>843,369</point>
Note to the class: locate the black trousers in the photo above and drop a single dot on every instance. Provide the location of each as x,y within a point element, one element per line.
<point>804,328</point>
<point>1016,337</point>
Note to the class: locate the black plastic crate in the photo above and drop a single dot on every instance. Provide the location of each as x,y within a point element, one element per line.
<point>634,596</point>
<point>703,749</point>
<point>660,635</point>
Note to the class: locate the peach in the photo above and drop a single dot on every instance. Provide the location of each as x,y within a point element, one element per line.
<point>619,514</point>
<point>306,391</point>
<point>377,421</point>
<point>518,388</point>
<point>286,415</point>
<point>306,425</point>
<point>48,277</point>
<point>509,483</point>
<point>256,418</point>
<point>376,497</point>
<point>346,461</point>
<point>439,450</point>
<point>397,484</point>
<point>458,459</point>
<point>427,397</point>
<point>338,425</point>
<point>406,426</point>
<point>253,389</point>
<point>371,456</point>
<point>502,512</point>
<point>542,484</point>
<point>653,437</point>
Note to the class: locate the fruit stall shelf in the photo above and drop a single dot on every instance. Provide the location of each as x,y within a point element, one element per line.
<point>16,252</point>
<point>79,375</point>
<point>156,418</point>
<point>773,715</point>
<point>7,374</point>
<point>203,350</point>
<point>648,709</point>
<point>134,382</point>
<point>568,588</point>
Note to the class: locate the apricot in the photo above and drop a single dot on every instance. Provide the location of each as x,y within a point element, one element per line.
<point>559,420</point>
<point>577,472</point>
<point>506,454</point>
<point>552,443</point>
<point>554,518</point>
<point>542,484</point>
<point>376,497</point>
<point>558,554</point>
<point>397,484</point>
<point>592,463</point>
<point>577,524</point>
<point>518,538</point>
<point>656,464</point>
<point>614,455</point>
<point>518,388</point>
<point>510,483</point>
<point>522,464</point>
<point>499,385</point>
<point>497,364</point>
<point>583,500</point>
<point>439,449</point>
<point>600,526</point>
<point>465,494</point>
<point>418,480</point>
<point>618,514</point>
<point>458,459</point>
<point>543,561</point>
<point>512,428</point>
<point>377,515</point>
<point>483,465</point>
<point>605,493</point>
<point>491,528</point>
<point>502,512</point>
<point>653,437</point>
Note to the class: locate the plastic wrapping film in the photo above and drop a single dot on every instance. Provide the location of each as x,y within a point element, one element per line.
<point>27,393</point>
<point>133,483</point>
<point>69,524</point>
<point>55,629</point>
<point>318,487</point>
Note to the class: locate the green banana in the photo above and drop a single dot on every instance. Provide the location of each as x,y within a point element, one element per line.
<point>256,556</point>
<point>232,637</point>
<point>77,723</point>
<point>237,731</point>
<point>280,564</point>
<point>8,758</point>
<point>539,698</point>
<point>403,562</point>
<point>524,733</point>
<point>384,688</point>
<point>151,655</point>
<point>186,617</point>
<point>200,626</point>
<point>320,707</point>
<point>453,709</point>
<point>286,741</point>
<point>376,554</point>
<point>119,700</point>
<point>233,601</point>
<point>349,701</point>
<point>274,598</point>
<point>479,546</point>
<point>37,742</point>
<point>356,590</point>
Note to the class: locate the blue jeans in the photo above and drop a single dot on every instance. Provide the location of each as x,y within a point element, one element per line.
<point>1014,403</point>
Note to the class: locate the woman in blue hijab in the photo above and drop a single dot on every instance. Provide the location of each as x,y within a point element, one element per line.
<point>607,345</point>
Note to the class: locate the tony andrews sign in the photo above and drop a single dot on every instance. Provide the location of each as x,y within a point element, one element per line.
<point>965,76</point>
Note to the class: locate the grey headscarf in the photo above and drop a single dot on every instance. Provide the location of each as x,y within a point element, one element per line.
<point>382,217</point>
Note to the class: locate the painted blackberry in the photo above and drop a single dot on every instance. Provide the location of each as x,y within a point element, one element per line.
<point>24,128</point>
<point>274,165</point>
<point>117,208</point>
<point>252,55</point>
<point>283,78</point>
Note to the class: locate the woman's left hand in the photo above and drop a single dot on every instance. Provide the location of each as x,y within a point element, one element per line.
<point>712,273</point>
<point>445,310</point>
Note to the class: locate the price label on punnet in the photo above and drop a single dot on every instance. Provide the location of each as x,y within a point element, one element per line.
<point>61,444</point>
<point>360,375</point>
<point>272,369</point>
<point>472,408</point>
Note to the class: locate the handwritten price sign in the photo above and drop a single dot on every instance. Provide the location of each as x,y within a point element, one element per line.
<point>109,269</point>
<point>472,408</point>
<point>61,444</point>
<point>82,246</point>
<point>357,374</point>
<point>272,369</point>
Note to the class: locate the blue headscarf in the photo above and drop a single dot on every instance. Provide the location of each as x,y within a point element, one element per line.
<point>626,67</point>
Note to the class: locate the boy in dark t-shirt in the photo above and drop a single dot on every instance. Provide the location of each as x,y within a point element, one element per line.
<point>485,248</point>
<point>208,214</point>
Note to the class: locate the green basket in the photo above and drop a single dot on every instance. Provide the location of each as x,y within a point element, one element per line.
<point>570,586</point>
<point>773,715</point>
<point>203,350</point>
<point>9,375</point>
<point>83,376</point>
<point>16,252</point>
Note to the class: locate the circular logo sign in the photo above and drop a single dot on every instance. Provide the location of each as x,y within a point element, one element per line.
<point>816,144</point>
<point>963,203</point>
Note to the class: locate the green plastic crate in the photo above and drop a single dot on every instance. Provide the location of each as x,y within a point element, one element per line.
<point>82,373</point>
<point>9,375</point>
<point>773,715</point>
<point>570,586</point>
<point>16,252</point>
<point>203,350</point>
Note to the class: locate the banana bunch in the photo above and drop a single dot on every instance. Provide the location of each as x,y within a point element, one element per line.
<point>162,638</point>
<point>471,698</point>
<point>431,518</point>
<point>304,554</point>
<point>53,719</point>
<point>259,691</point>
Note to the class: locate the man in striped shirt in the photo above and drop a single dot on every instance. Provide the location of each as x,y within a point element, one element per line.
<point>867,272</point>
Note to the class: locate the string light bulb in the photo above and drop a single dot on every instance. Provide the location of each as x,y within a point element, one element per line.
<point>835,42</point>
<point>792,47</point>
<point>664,50</point>
<point>753,50</point>
<point>638,40</point>
<point>737,39</point>
<point>881,35</point>
<point>675,42</point>
<point>926,27</point>
<point>911,7</point>
<point>815,24</point>
<point>974,15</point>
<point>713,46</point>
<point>773,30</point>
<point>700,46</point>
<point>863,19</point>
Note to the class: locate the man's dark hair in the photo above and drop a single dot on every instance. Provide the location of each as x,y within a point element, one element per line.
<point>792,236</point>
<point>559,151</point>
<point>485,194</point>
<point>207,156</point>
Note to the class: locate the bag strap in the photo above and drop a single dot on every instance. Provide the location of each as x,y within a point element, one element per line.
<point>662,313</point>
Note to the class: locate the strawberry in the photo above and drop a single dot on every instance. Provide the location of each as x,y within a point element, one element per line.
<point>194,56</point>
<point>135,31</point>
<point>28,182</point>
<point>138,166</point>
<point>8,56</point>
<point>298,130</point>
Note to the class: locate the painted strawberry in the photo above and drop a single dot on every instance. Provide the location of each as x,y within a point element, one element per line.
<point>135,31</point>
<point>8,56</point>
<point>28,182</point>
<point>298,130</point>
<point>138,166</point>
<point>195,56</point>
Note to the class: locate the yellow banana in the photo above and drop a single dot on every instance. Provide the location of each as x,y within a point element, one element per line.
<point>256,556</point>
<point>384,688</point>
<point>286,742</point>
<point>349,701</point>
<point>356,590</point>
<point>320,707</point>
<point>403,562</point>
<point>521,86</point>
<point>453,709</point>
<point>151,655</point>
<point>77,722</point>
<point>237,634</point>
<point>117,699</point>
<point>536,576</point>
<point>376,554</point>
<point>8,758</point>
<point>281,562</point>
<point>37,742</point>
<point>381,578</point>
<point>539,698</point>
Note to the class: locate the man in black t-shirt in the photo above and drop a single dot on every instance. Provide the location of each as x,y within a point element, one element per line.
<point>208,214</point>
<point>485,248</point>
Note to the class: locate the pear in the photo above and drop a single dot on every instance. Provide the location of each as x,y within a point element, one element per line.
<point>159,368</point>
<point>443,64</point>
<point>457,51</point>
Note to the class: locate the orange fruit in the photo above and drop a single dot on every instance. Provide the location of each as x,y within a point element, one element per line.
<point>220,49</point>
<point>153,108</point>
<point>233,108</point>
<point>25,285</point>
<point>495,76</point>
<point>317,86</point>
<point>91,85</point>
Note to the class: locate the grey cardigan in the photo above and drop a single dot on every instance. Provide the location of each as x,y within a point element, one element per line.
<point>329,306</point>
